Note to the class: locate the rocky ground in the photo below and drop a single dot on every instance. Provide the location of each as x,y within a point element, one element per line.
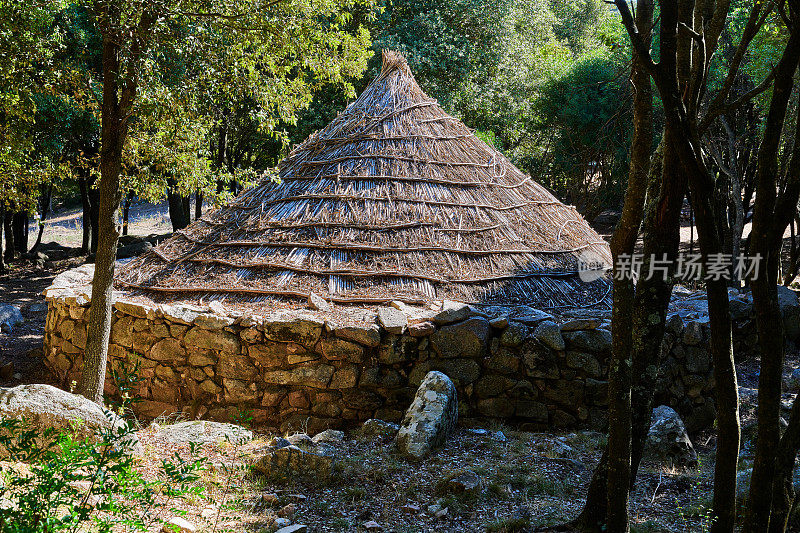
<point>479,480</point>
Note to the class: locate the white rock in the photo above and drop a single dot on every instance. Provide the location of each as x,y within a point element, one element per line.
<point>431,418</point>
<point>318,303</point>
<point>209,511</point>
<point>392,320</point>
<point>378,428</point>
<point>45,406</point>
<point>331,436</point>
<point>280,523</point>
<point>667,439</point>
<point>452,312</point>
<point>10,316</point>
<point>296,528</point>
<point>204,432</point>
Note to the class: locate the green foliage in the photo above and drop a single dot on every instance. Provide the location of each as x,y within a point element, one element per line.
<point>590,130</point>
<point>244,67</point>
<point>553,98</point>
<point>53,482</point>
<point>761,56</point>
<point>126,377</point>
<point>27,41</point>
<point>446,42</point>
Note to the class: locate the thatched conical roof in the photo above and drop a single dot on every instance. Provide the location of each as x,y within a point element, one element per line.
<point>393,200</point>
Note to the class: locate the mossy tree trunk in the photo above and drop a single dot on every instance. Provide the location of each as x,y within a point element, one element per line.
<point>623,242</point>
<point>772,213</point>
<point>119,92</point>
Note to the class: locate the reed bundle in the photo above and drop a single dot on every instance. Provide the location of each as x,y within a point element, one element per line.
<point>393,200</point>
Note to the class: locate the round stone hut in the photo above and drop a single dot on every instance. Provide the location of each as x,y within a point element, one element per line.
<point>393,242</point>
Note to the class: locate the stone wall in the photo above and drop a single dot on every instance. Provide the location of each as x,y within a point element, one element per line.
<point>297,367</point>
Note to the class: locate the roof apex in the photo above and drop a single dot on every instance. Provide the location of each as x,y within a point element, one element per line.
<point>393,60</point>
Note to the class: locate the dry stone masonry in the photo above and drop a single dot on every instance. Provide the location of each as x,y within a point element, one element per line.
<point>302,368</point>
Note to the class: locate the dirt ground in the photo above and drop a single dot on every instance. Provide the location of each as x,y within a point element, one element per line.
<point>527,481</point>
<point>23,283</point>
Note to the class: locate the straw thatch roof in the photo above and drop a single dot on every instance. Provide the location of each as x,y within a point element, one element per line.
<point>393,200</point>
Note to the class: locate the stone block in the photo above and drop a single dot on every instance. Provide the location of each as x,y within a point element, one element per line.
<point>466,339</point>
<point>202,358</point>
<point>240,391</point>
<point>496,407</point>
<point>492,385</point>
<point>392,320</point>
<point>398,349</point>
<point>369,336</point>
<point>168,349</point>
<point>337,349</point>
<point>345,377</point>
<point>304,329</point>
<point>540,362</point>
<point>222,341</point>
<point>452,312</point>
<point>533,410</point>
<point>567,393</point>
<point>584,361</point>
<point>594,341</point>
<point>236,367</point>
<point>514,334</point>
<point>312,376</point>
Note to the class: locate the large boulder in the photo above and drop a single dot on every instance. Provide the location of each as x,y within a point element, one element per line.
<point>10,316</point>
<point>286,460</point>
<point>135,248</point>
<point>45,406</point>
<point>667,439</point>
<point>431,418</point>
<point>204,432</point>
<point>790,310</point>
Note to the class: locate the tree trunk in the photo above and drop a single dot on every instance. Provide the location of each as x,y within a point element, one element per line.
<point>661,239</point>
<point>2,225</point>
<point>721,346</point>
<point>20,229</point>
<point>178,206</point>
<point>126,209</point>
<point>94,216</point>
<point>86,218</point>
<point>726,392</point>
<point>766,239</point>
<point>8,226</point>
<point>115,111</point>
<point>783,493</point>
<point>186,207</point>
<point>618,452</point>
<point>45,210</point>
<point>666,186</point>
<point>219,164</point>
<point>198,204</point>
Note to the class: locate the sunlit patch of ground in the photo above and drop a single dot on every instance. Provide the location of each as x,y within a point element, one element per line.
<point>528,480</point>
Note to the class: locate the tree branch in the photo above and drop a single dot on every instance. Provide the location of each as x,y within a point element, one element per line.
<point>758,15</point>
<point>726,108</point>
<point>637,40</point>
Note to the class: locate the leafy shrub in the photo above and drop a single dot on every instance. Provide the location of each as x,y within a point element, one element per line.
<point>53,482</point>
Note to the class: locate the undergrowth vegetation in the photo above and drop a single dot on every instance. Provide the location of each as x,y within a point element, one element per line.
<point>51,481</point>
